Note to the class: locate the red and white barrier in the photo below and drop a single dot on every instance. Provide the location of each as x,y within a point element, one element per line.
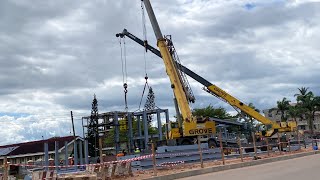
<point>96,164</point>
<point>170,164</point>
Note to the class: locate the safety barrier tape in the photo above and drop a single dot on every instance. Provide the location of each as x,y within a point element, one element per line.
<point>318,140</point>
<point>170,164</point>
<point>83,165</point>
<point>178,154</point>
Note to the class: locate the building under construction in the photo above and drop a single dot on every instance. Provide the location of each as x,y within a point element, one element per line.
<point>135,125</point>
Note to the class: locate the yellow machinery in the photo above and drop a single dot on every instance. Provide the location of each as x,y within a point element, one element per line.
<point>272,126</point>
<point>189,127</point>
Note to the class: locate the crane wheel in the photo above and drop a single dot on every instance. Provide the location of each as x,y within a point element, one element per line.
<point>212,144</point>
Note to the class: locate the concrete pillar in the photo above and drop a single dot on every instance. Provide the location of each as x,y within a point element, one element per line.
<point>56,154</point>
<point>66,162</point>
<point>81,153</point>
<point>159,124</point>
<point>86,152</point>
<point>46,155</point>
<point>117,131</point>
<point>75,153</point>
<point>145,126</point>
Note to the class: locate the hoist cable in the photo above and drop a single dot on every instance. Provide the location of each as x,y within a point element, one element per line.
<point>144,30</point>
<point>125,85</point>
<point>121,56</point>
<point>125,59</point>
<point>124,72</point>
<point>144,89</point>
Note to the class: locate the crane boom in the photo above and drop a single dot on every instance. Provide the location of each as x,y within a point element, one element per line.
<point>170,66</point>
<point>216,91</point>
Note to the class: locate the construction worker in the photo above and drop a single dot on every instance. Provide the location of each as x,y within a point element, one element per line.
<point>123,153</point>
<point>137,151</point>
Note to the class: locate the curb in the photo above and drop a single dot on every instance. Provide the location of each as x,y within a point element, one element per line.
<point>231,166</point>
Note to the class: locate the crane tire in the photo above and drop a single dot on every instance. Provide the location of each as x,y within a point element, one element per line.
<point>212,144</point>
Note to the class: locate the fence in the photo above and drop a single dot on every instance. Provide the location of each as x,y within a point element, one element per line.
<point>163,157</point>
<point>168,156</point>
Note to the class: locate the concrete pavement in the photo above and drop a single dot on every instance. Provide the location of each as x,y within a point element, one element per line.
<point>303,168</point>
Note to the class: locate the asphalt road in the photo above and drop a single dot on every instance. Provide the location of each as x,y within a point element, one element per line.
<point>303,168</point>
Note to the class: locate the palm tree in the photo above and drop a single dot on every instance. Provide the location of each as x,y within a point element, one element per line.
<point>303,93</point>
<point>294,112</point>
<point>308,104</point>
<point>283,107</point>
<point>311,104</point>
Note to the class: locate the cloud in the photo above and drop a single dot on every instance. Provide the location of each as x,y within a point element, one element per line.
<point>55,55</point>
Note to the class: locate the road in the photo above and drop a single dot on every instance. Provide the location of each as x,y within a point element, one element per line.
<point>303,168</point>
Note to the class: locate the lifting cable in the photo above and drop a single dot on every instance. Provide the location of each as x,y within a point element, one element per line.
<point>144,88</point>
<point>124,71</point>
<point>145,42</point>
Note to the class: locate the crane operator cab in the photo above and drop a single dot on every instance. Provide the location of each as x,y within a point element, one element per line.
<point>173,130</point>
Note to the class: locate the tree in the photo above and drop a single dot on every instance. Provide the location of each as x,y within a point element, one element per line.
<point>93,131</point>
<point>311,104</point>
<point>219,113</point>
<point>150,104</point>
<point>308,104</point>
<point>210,111</point>
<point>283,107</point>
<point>303,92</point>
<point>250,124</point>
<point>294,112</point>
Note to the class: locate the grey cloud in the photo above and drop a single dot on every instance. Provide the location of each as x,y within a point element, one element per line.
<point>241,21</point>
<point>66,51</point>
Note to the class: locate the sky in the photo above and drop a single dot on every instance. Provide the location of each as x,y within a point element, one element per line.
<point>56,54</point>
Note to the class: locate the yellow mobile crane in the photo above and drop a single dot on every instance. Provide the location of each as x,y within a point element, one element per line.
<point>191,126</point>
<point>273,127</point>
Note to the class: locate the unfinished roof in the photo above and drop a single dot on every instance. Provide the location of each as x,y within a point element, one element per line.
<point>33,146</point>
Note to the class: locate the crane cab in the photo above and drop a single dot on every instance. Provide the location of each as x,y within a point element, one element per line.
<point>173,130</point>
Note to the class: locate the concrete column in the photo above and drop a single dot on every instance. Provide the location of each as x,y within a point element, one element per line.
<point>66,162</point>
<point>46,155</point>
<point>56,154</point>
<point>86,152</point>
<point>81,153</point>
<point>145,126</point>
<point>117,131</point>
<point>75,153</point>
<point>159,124</point>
